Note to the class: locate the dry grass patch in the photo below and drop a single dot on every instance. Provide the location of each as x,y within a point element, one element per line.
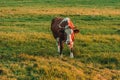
<point>12,29</point>
<point>54,68</point>
<point>24,36</point>
<point>57,11</point>
<point>98,38</point>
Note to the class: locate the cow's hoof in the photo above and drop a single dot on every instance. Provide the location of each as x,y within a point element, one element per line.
<point>71,55</point>
<point>61,56</point>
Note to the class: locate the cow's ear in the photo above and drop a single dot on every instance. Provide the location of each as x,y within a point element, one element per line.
<point>76,31</point>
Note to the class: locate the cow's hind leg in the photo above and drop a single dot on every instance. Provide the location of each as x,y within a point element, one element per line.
<point>58,45</point>
<point>61,48</point>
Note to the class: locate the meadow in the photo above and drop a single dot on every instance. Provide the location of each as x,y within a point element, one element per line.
<point>28,49</point>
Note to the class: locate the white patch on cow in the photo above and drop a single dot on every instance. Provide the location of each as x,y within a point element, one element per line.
<point>71,55</point>
<point>68,32</point>
<point>65,19</point>
<point>58,45</point>
<point>58,48</point>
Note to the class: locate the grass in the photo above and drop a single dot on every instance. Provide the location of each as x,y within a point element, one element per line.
<point>66,3</point>
<point>24,66</point>
<point>28,49</point>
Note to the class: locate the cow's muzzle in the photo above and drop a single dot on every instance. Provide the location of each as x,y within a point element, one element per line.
<point>68,42</point>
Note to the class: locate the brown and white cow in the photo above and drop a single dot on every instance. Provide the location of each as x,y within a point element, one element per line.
<point>63,31</point>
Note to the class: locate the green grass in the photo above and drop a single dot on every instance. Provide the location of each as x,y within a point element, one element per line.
<point>28,49</point>
<point>57,3</point>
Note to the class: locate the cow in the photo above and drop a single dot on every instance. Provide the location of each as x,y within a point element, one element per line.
<point>64,30</point>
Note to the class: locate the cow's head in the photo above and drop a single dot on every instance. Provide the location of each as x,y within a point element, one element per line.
<point>69,29</point>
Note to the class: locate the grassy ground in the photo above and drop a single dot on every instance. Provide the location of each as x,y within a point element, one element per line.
<point>28,49</point>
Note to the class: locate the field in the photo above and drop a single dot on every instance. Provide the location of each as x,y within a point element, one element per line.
<point>28,50</point>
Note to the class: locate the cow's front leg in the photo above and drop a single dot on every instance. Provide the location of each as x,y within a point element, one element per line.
<point>71,53</point>
<point>71,50</point>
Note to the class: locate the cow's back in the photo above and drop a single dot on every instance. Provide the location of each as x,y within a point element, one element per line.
<point>55,26</point>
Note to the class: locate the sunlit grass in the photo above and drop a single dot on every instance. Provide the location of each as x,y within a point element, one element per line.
<point>58,11</point>
<point>37,67</point>
<point>98,38</point>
